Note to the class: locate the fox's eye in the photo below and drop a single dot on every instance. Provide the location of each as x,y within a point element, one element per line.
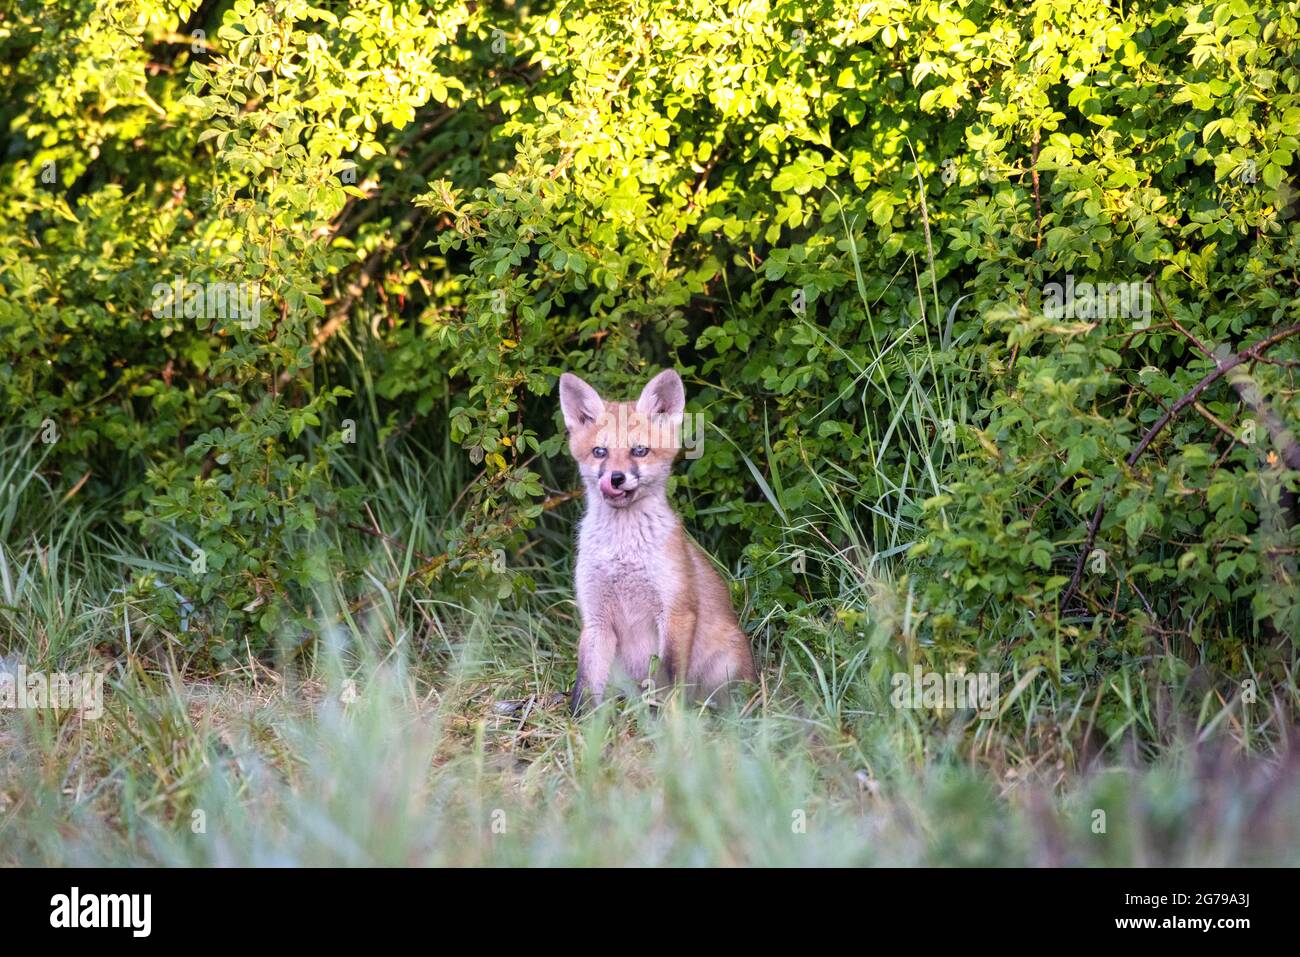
<point>600,451</point>
<point>640,451</point>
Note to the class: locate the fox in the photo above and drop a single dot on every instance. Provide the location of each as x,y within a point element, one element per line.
<point>645,591</point>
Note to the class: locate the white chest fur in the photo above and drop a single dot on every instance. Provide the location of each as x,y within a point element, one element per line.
<point>624,577</point>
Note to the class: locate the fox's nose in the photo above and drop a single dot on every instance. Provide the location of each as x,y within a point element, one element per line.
<point>617,479</point>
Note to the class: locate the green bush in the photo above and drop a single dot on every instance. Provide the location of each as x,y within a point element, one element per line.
<point>841,221</point>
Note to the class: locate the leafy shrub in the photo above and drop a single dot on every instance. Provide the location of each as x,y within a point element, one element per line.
<point>839,220</point>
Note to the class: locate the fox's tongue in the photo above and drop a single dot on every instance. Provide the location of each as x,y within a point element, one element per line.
<point>607,487</point>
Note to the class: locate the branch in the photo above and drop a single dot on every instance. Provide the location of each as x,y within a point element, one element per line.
<point>1038,197</point>
<point>1290,452</point>
<point>341,310</point>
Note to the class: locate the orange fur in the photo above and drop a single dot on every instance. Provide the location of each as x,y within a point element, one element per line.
<point>644,589</point>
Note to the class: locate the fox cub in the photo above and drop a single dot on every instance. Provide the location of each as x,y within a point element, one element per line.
<point>644,589</point>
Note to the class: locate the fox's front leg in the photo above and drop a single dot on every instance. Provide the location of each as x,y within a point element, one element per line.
<point>676,638</point>
<point>596,648</point>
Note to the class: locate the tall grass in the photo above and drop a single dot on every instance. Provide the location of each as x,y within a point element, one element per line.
<point>425,729</point>
<point>364,763</point>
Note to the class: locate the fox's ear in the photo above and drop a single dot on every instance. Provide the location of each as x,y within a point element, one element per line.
<point>579,402</point>
<point>664,394</point>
